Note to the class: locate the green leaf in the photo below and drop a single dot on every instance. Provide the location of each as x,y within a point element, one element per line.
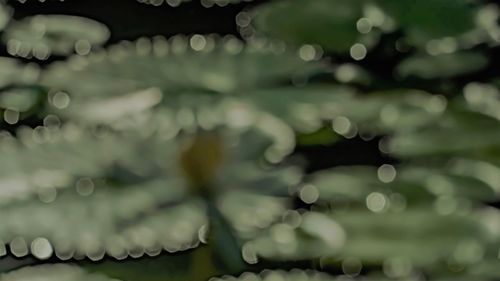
<point>473,134</point>
<point>76,225</point>
<point>5,15</point>
<point>306,107</point>
<point>355,184</point>
<point>57,158</point>
<point>384,112</point>
<point>21,100</point>
<point>213,68</point>
<point>420,236</point>
<point>442,66</point>
<point>482,98</point>
<point>430,19</point>
<point>412,185</point>
<point>446,183</point>
<point>43,35</point>
<point>12,72</point>
<point>249,213</point>
<point>328,23</point>
<point>480,170</point>
<point>306,236</point>
<point>53,272</point>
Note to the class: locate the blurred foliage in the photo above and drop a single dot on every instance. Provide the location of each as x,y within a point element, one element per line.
<point>41,36</point>
<point>443,65</point>
<point>55,272</point>
<point>181,157</point>
<point>331,24</point>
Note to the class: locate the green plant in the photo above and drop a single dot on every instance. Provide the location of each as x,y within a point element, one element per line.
<point>175,156</point>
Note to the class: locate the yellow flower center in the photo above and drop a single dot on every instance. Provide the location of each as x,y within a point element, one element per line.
<point>200,160</point>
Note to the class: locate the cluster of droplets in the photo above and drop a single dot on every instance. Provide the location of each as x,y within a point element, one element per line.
<point>34,37</point>
<point>147,238</point>
<point>205,43</point>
